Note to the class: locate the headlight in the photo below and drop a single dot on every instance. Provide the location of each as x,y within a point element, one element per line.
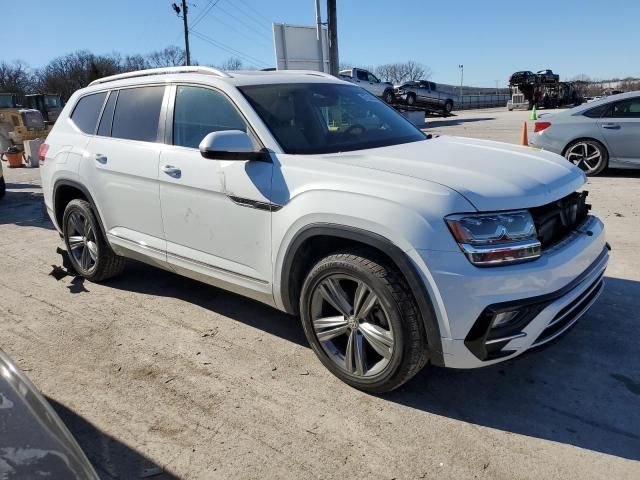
<point>496,238</point>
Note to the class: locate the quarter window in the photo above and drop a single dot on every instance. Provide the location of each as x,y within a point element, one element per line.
<point>200,111</point>
<point>596,112</point>
<point>137,114</point>
<point>85,114</point>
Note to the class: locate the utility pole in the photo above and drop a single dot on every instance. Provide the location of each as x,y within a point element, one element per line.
<point>320,35</point>
<point>176,9</point>
<point>186,31</point>
<point>332,22</point>
<point>461,67</point>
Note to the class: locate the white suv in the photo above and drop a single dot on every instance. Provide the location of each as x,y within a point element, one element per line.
<point>311,195</point>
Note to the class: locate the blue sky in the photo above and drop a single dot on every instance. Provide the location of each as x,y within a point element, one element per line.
<point>491,38</point>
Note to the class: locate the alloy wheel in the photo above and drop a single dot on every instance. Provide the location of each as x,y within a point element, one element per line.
<point>351,325</point>
<point>585,155</point>
<point>82,241</point>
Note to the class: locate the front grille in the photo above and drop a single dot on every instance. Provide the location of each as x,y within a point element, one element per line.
<point>570,314</point>
<point>555,220</point>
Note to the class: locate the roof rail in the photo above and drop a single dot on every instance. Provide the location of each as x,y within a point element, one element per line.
<point>273,71</point>
<point>307,72</point>
<point>162,71</point>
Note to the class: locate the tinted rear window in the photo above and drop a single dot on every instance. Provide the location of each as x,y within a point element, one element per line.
<point>137,114</point>
<point>86,113</point>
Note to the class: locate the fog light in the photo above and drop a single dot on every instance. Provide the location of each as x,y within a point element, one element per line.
<point>504,318</point>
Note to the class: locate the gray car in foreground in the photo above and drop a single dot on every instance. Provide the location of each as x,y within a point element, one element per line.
<point>34,443</point>
<point>594,136</point>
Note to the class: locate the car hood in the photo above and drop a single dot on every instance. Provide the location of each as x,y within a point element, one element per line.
<point>490,175</point>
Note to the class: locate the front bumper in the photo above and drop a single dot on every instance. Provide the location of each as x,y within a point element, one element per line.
<point>559,287</point>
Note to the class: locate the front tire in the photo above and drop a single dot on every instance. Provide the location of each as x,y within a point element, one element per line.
<point>89,252</point>
<point>411,100</point>
<point>589,155</point>
<point>362,321</point>
<point>388,96</point>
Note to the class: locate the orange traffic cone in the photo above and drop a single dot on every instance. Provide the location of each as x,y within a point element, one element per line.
<point>524,140</point>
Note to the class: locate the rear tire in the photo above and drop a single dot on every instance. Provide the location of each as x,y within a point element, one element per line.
<point>388,96</point>
<point>589,155</point>
<point>89,252</point>
<point>351,298</point>
<point>448,107</point>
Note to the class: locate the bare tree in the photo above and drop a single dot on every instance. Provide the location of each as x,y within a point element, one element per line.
<point>171,56</point>
<point>15,77</point>
<point>65,75</point>
<point>581,84</point>
<point>232,63</point>
<point>629,84</point>
<point>134,62</point>
<point>397,73</point>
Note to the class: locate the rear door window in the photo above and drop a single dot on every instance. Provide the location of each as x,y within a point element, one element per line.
<point>86,112</point>
<point>137,113</point>
<point>626,109</point>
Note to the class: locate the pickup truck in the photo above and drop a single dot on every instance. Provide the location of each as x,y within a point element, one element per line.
<point>424,94</point>
<point>369,82</point>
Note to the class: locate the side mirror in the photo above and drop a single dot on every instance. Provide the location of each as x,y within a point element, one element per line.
<point>230,145</point>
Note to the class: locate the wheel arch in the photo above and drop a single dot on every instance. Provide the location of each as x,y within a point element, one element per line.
<point>64,191</point>
<point>302,253</point>
<point>582,139</point>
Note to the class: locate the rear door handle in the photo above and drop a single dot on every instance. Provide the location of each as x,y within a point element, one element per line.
<point>172,171</point>
<point>611,126</point>
<point>101,159</point>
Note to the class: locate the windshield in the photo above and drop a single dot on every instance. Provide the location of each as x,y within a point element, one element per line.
<point>7,101</point>
<point>52,101</point>
<point>310,118</point>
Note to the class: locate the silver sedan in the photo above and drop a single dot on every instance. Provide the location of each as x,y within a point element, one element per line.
<point>594,136</point>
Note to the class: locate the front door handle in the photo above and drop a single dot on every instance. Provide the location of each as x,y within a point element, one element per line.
<point>101,159</point>
<point>172,171</point>
<point>611,126</point>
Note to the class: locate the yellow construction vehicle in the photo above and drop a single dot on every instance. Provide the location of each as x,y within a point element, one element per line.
<point>19,124</point>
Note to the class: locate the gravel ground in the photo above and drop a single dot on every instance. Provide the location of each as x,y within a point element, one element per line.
<point>159,376</point>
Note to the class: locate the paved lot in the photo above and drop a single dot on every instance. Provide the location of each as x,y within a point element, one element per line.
<point>493,123</point>
<point>159,376</point>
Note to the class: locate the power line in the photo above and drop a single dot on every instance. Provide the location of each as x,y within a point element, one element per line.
<point>205,12</point>
<point>252,8</point>
<point>227,48</point>
<point>250,16</point>
<point>257,39</point>
<point>243,22</point>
